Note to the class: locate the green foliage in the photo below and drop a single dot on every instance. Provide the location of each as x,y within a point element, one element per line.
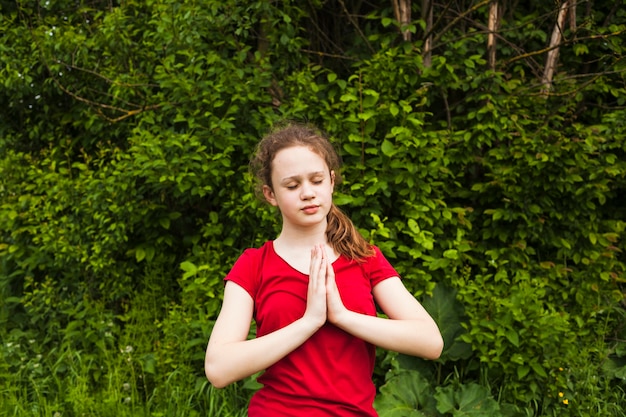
<point>125,197</point>
<point>410,394</point>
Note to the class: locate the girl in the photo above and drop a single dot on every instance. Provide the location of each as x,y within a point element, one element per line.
<point>313,292</point>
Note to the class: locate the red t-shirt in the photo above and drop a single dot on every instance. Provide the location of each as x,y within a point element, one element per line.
<point>331,373</point>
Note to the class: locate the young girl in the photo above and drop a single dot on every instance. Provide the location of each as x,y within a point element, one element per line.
<point>313,292</point>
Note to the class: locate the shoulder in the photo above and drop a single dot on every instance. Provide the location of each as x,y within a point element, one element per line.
<point>246,269</point>
<point>377,267</point>
<point>376,257</point>
<point>252,255</point>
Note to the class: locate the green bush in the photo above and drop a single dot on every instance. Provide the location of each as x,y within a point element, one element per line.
<point>125,198</point>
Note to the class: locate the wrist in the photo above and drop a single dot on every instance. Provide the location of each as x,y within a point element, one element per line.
<point>311,325</point>
<point>342,318</point>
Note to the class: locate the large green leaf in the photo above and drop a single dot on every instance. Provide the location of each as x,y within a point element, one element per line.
<point>408,394</point>
<point>447,312</point>
<point>468,400</point>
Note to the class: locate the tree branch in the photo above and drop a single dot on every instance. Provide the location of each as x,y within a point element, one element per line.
<point>567,42</point>
<point>459,18</point>
<point>356,26</point>
<point>99,106</point>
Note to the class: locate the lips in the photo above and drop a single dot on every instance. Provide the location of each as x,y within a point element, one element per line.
<point>310,209</point>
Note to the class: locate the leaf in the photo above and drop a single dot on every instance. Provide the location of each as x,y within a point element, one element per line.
<point>447,313</point>
<point>538,369</point>
<point>470,400</point>
<point>580,49</point>
<point>394,109</point>
<point>388,148</point>
<point>405,395</point>
<point>148,363</point>
<point>469,63</point>
<point>150,251</point>
<point>189,268</point>
<point>512,336</point>
<point>164,222</point>
<point>140,254</point>
<point>593,238</point>
<point>522,371</point>
<point>342,199</point>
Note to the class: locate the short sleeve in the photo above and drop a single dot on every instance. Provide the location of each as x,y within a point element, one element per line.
<point>378,268</point>
<point>245,271</point>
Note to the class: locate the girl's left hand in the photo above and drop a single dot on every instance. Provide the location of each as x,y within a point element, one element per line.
<point>334,304</point>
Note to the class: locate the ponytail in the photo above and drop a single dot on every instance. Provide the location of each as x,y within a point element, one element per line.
<point>343,236</point>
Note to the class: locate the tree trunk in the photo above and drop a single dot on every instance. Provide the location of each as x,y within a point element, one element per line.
<point>402,10</point>
<point>427,15</point>
<point>553,50</point>
<point>572,17</point>
<point>491,38</point>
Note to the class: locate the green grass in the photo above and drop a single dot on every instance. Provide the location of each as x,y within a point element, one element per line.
<point>185,394</point>
<point>118,383</point>
<point>79,399</point>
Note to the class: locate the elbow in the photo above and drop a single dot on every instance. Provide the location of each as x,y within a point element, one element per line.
<point>214,369</point>
<point>431,345</point>
<point>435,348</point>
<point>215,377</point>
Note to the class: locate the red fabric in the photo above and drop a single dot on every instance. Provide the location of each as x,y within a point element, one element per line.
<point>331,373</point>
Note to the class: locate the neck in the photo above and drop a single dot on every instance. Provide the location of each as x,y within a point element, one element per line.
<point>303,237</point>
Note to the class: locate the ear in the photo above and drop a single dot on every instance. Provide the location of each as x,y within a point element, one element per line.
<point>269,195</point>
<point>332,180</point>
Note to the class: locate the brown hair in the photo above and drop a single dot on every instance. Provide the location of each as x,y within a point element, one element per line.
<point>341,233</point>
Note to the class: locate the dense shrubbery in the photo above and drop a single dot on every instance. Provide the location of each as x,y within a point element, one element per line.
<point>125,198</point>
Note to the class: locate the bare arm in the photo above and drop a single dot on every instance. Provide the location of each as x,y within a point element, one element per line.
<point>230,356</point>
<point>409,328</point>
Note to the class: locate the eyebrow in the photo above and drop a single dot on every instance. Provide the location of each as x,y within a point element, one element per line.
<point>298,177</point>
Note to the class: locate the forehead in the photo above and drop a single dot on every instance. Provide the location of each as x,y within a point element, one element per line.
<point>297,160</point>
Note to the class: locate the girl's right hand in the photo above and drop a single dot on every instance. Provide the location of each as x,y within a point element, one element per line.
<point>316,294</point>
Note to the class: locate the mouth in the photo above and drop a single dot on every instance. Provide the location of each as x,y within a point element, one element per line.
<point>310,209</point>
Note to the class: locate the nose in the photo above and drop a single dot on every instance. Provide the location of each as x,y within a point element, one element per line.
<point>306,191</point>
